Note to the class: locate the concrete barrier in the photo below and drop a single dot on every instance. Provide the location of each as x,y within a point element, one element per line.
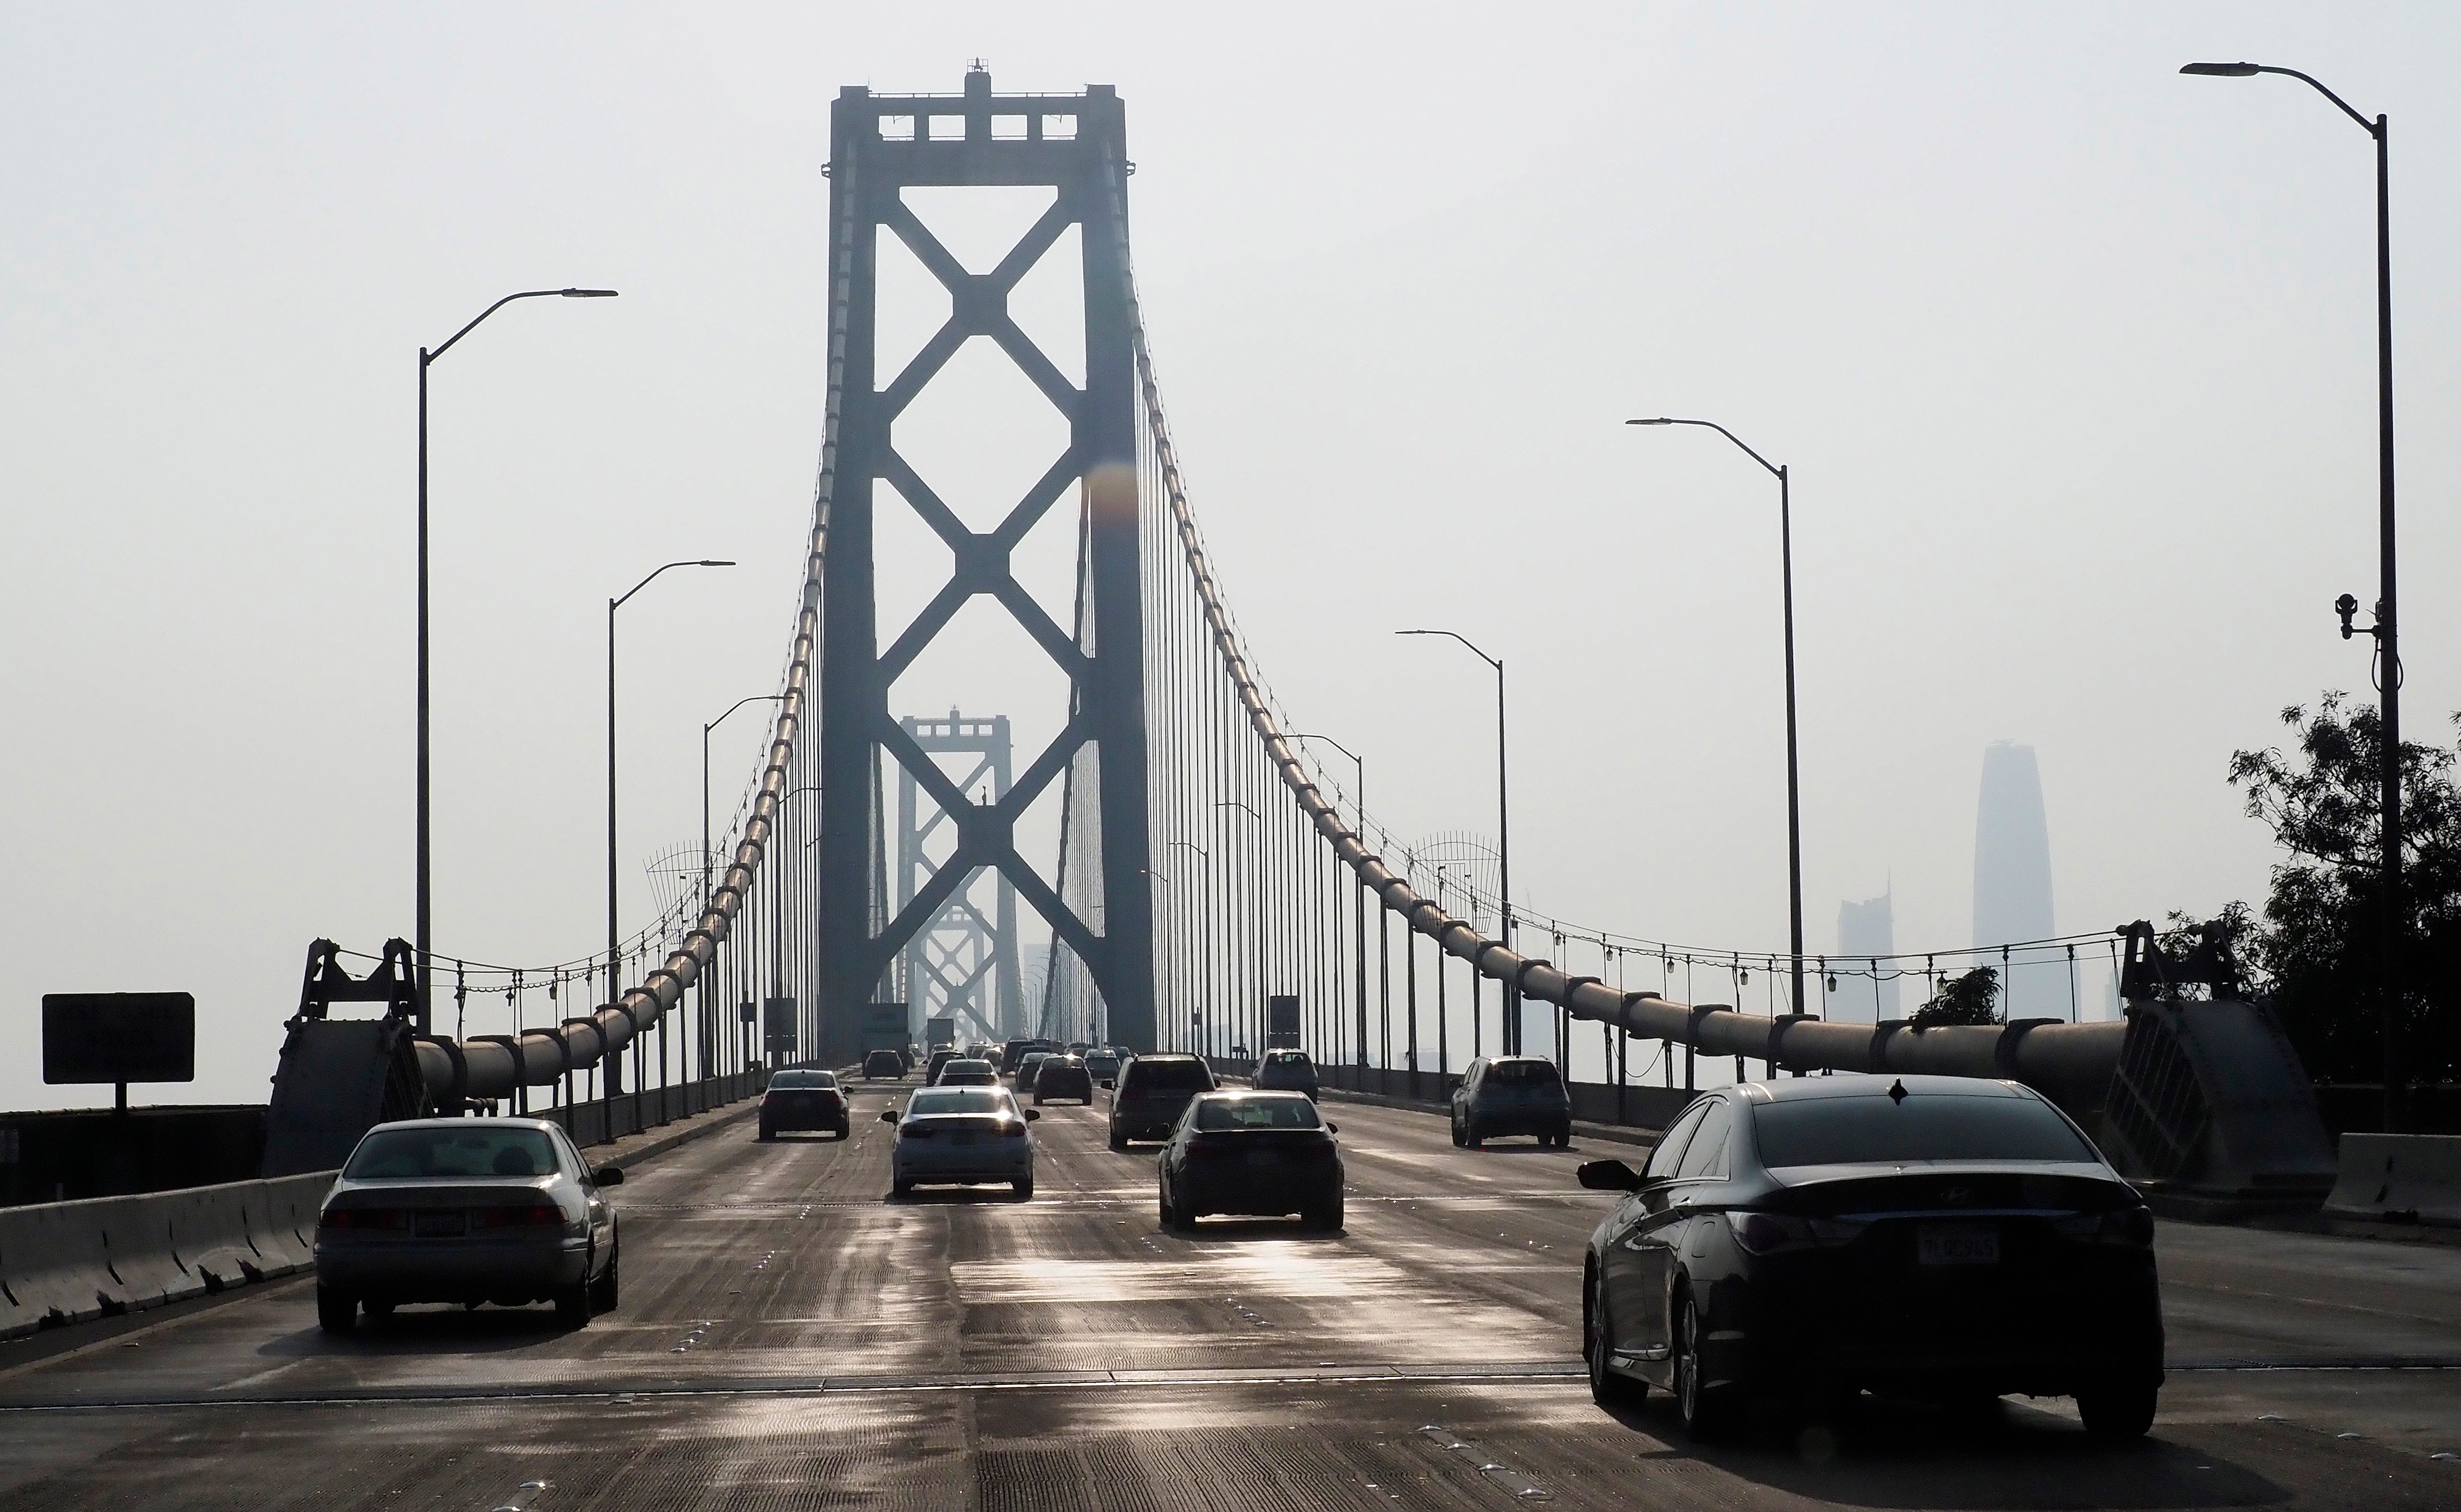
<point>63,1263</point>
<point>2399,1178</point>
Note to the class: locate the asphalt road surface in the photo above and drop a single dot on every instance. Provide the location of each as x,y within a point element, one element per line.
<point>790,1337</point>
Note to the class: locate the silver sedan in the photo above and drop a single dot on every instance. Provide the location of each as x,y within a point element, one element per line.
<point>962,1135</point>
<point>466,1210</point>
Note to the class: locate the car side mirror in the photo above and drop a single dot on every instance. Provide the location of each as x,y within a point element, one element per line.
<point>1331,1127</point>
<point>888,1114</point>
<point>1110,1082</point>
<point>1608,1176</point>
<point>608,1176</point>
<point>1032,1114</point>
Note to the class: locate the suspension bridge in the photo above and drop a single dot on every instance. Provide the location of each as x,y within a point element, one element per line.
<point>787,1337</point>
<point>1206,861</point>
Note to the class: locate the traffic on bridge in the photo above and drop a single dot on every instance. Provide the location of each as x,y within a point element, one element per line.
<point>1044,1082</point>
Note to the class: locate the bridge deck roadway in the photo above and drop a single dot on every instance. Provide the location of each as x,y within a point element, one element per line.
<point>789,1339</point>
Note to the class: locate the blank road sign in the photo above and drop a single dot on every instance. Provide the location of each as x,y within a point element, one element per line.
<point>92,1038</point>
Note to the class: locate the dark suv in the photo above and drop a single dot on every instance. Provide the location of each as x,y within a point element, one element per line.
<point>1286,1071</point>
<point>884,1065</point>
<point>1058,1076</point>
<point>1150,1092</point>
<point>1511,1094</point>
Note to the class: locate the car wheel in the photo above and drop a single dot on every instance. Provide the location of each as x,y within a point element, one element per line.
<point>337,1312</point>
<point>1473,1137</point>
<point>1706,1412</point>
<point>1459,1138</point>
<point>603,1291</point>
<point>767,1134</point>
<point>1022,1186</point>
<point>572,1304</point>
<point>1607,1389</point>
<point>845,1131</point>
<point>376,1306</point>
<point>2116,1411</point>
<point>1326,1217</point>
<point>901,1187</point>
<point>1118,1141</point>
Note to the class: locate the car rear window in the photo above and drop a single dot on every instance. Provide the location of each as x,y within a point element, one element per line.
<point>1218,1114</point>
<point>805,1080</point>
<point>961,1099</point>
<point>408,1155</point>
<point>1153,1073</point>
<point>1927,1126</point>
<point>1522,1073</point>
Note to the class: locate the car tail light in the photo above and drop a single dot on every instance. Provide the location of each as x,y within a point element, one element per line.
<point>362,1218</point>
<point>533,1215</point>
<point>1770,1233</point>
<point>2129,1227</point>
<point>913,1131</point>
<point>1013,1131</point>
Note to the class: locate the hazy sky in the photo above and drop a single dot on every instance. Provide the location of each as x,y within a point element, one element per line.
<point>2072,358</point>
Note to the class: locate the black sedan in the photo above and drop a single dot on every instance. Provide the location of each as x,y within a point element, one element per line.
<point>1261,1154</point>
<point>1937,1236</point>
<point>803,1100</point>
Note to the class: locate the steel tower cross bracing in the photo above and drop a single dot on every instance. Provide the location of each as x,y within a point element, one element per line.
<point>960,962</point>
<point>1074,144</point>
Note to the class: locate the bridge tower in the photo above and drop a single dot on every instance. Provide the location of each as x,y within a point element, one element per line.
<point>962,964</point>
<point>1073,143</point>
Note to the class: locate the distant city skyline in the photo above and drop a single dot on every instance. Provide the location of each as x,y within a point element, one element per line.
<point>2012,876</point>
<point>1868,928</point>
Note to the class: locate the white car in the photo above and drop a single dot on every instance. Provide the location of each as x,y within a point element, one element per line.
<point>467,1211</point>
<point>962,1135</point>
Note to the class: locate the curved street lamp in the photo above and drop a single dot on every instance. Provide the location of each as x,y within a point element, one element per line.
<point>1793,777</point>
<point>2385,630</point>
<point>425,909</point>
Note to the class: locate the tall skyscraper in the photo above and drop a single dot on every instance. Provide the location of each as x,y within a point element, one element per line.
<point>2012,878</point>
<point>1869,929</point>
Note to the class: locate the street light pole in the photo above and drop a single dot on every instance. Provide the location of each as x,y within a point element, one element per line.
<point>425,909</point>
<point>615,943</point>
<point>1264,991</point>
<point>1511,994</point>
<point>1359,801</point>
<point>2386,630</point>
<point>1207,997</point>
<point>752,698</point>
<point>1793,765</point>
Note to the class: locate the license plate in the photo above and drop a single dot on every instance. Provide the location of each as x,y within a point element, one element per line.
<point>441,1225</point>
<point>1956,1244</point>
<point>963,1139</point>
<point>1262,1158</point>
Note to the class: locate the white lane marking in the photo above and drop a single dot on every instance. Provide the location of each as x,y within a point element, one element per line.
<point>1494,1472</point>
<point>522,1499</point>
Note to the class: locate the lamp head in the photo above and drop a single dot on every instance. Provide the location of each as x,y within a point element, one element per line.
<point>713,563</point>
<point>2346,606</point>
<point>2223,70</point>
<point>1657,420</point>
<point>587,293</point>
